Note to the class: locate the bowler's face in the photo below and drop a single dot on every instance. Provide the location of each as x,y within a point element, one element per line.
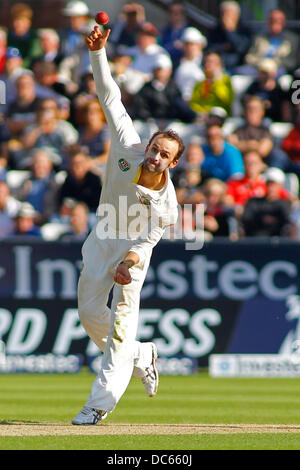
<point>160,155</point>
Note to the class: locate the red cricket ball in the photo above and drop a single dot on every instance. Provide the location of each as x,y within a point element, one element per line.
<point>102,17</point>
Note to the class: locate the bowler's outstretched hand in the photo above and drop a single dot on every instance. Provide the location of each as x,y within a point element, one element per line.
<point>96,40</point>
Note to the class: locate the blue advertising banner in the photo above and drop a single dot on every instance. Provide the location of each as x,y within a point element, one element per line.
<point>229,297</point>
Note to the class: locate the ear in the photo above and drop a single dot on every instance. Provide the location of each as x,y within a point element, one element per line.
<point>174,163</point>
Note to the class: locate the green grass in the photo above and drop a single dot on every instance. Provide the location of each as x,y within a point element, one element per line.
<point>197,399</point>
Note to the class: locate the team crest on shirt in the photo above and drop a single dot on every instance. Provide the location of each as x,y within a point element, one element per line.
<point>143,200</point>
<point>123,164</point>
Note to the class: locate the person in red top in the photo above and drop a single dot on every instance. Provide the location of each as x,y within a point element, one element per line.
<point>291,145</point>
<point>252,185</point>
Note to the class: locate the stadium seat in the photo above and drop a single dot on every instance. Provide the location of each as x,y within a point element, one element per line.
<point>285,81</point>
<point>145,129</point>
<point>15,178</point>
<point>52,231</point>
<point>231,124</point>
<point>291,184</point>
<point>280,130</point>
<point>186,131</point>
<point>240,83</point>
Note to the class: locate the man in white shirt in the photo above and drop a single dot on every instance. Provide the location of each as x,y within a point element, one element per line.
<point>136,180</point>
<point>146,51</point>
<point>189,71</point>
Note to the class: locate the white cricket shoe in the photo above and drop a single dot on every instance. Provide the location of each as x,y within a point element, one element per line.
<point>150,379</point>
<point>89,416</point>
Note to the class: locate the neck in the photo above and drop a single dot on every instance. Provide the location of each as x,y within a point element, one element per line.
<point>152,180</point>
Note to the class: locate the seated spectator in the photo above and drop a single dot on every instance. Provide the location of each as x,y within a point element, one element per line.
<point>222,160</point>
<point>77,15</point>
<point>73,66</point>
<point>86,92</point>
<point>25,222</point>
<point>218,218</point>
<point>146,51</point>
<point>79,224</point>
<point>21,111</point>
<point>3,47</point>
<point>50,43</point>
<point>254,135</point>
<point>230,38</point>
<point>81,184</point>
<point>9,207</point>
<point>252,185</point>
<point>188,190</point>
<point>94,137</point>
<point>12,70</point>
<point>4,153</point>
<point>48,130</point>
<point>172,32</point>
<point>127,26</point>
<point>40,188</point>
<point>291,145</point>
<point>189,70</point>
<point>49,85</point>
<point>278,43</point>
<point>160,98</point>
<point>269,215</point>
<point>21,35</point>
<point>192,158</point>
<point>266,86</point>
<point>215,89</point>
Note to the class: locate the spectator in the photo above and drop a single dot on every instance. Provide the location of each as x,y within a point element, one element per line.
<point>81,184</point>
<point>3,47</point>
<point>266,86</point>
<point>218,218</point>
<point>50,42</point>
<point>40,188</point>
<point>94,138</point>
<point>77,15</point>
<point>127,26</point>
<point>189,187</point>
<point>21,111</point>
<point>230,38</point>
<point>291,145</point>
<point>252,185</point>
<point>222,160</point>
<point>189,70</point>
<point>24,222</point>
<point>79,224</point>
<point>268,216</point>
<point>9,207</point>
<point>193,158</point>
<point>171,34</point>
<point>254,135</point>
<point>160,98</point>
<point>21,35</point>
<point>215,89</point>
<point>49,130</point>
<point>146,51</point>
<point>12,70</point>
<point>278,43</point>
<point>74,65</point>
<point>4,152</point>
<point>50,85</point>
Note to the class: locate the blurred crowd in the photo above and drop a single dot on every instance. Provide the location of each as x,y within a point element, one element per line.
<point>230,93</point>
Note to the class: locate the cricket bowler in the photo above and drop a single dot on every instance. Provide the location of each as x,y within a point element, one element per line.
<point>120,261</point>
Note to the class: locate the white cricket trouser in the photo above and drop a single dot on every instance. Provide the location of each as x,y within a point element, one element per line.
<point>112,330</point>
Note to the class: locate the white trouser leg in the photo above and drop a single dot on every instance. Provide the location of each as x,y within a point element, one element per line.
<point>119,354</point>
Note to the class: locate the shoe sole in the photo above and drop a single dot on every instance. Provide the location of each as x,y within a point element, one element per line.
<point>154,362</point>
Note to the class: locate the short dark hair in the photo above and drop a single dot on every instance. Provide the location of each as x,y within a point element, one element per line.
<point>171,135</point>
